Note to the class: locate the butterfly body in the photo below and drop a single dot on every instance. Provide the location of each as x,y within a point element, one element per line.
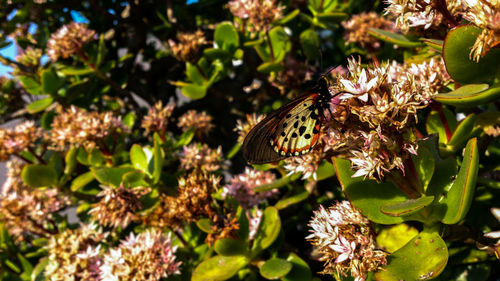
<point>292,130</point>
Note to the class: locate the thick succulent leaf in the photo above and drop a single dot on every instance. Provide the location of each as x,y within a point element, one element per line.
<point>38,175</point>
<point>393,38</point>
<point>424,257</point>
<point>226,37</point>
<point>310,42</point>
<point>395,237</point>
<point>407,207</point>
<point>111,176</point>
<point>367,195</point>
<point>39,105</point>
<point>469,95</point>
<point>456,53</point>
<point>462,133</point>
<point>300,269</point>
<point>269,228</point>
<point>457,200</point>
<point>275,268</point>
<point>230,247</point>
<point>219,268</point>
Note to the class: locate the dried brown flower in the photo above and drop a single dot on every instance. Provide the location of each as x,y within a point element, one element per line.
<point>77,127</point>
<point>75,253</point>
<point>188,45</point>
<point>157,118</point>
<point>25,210</point>
<point>200,122</point>
<point>68,40</point>
<point>148,256</point>
<point>345,242</point>
<point>118,206</point>
<point>201,157</point>
<point>222,227</point>
<point>30,61</point>
<point>22,137</point>
<point>259,14</point>
<point>192,202</point>
<point>356,29</point>
<point>243,128</point>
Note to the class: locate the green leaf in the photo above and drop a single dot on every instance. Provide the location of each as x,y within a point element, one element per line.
<point>70,161</point>
<point>219,268</point>
<point>26,265</point>
<point>39,105</point>
<point>367,195</point>
<point>456,53</point>
<point>407,207</point>
<point>277,183</point>
<point>81,181</point>
<point>310,43</point>
<point>424,164</point>
<point>469,95</point>
<point>37,273</point>
<point>394,237</point>
<point>38,175</point>
<point>157,161</point>
<point>325,170</point>
<point>462,133</point>
<point>424,257</point>
<point>194,75</point>
<point>138,158</point>
<point>243,222</point>
<point>194,91</point>
<point>294,199</point>
<point>268,231</point>
<point>268,67</point>
<point>74,70</point>
<point>134,178</point>
<point>300,269</point>
<point>205,225</point>
<point>185,138</point>
<point>96,158</point>
<point>82,156</point>
<point>393,38</point>
<point>435,124</point>
<point>290,16</point>
<point>332,17</point>
<point>435,44</point>
<point>30,85</point>
<point>226,37</point>
<point>129,119</point>
<point>111,176</point>
<point>101,51</point>
<point>280,43</point>
<point>230,247</point>
<point>51,82</point>
<point>234,150</point>
<point>457,200</point>
<point>275,268</point>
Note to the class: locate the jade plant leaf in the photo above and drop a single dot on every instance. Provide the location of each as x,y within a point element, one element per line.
<point>393,38</point>
<point>275,268</point>
<point>38,175</point>
<point>457,201</point>
<point>300,269</point>
<point>424,257</point>
<point>469,95</point>
<point>230,247</point>
<point>456,53</point>
<point>39,105</point>
<point>407,207</point>
<point>367,195</point>
<point>219,268</point>
<point>310,43</point>
<point>111,176</point>
<point>226,37</point>
<point>269,228</point>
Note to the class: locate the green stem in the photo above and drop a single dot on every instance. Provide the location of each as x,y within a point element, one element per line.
<point>270,45</point>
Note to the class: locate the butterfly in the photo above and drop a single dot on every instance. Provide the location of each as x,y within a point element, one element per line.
<point>292,130</point>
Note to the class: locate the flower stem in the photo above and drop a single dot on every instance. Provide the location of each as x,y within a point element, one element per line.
<point>271,51</point>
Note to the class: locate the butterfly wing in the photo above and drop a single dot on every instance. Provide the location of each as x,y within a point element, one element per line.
<point>292,130</point>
